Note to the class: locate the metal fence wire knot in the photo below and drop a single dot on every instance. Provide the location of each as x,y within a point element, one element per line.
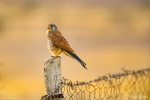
<point>128,85</point>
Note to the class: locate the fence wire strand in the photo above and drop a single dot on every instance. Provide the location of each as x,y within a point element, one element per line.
<point>128,85</point>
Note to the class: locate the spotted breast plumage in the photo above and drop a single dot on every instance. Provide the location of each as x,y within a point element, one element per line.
<point>58,44</point>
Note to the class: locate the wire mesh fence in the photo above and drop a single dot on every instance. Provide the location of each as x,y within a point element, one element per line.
<point>128,85</point>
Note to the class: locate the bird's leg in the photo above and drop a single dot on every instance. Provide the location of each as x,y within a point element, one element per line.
<point>56,56</point>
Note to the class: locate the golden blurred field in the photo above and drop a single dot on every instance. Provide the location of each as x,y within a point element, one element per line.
<point>106,35</point>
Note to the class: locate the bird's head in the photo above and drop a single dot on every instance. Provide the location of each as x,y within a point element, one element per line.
<point>51,28</point>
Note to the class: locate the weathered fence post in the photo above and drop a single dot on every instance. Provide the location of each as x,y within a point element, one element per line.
<point>52,73</point>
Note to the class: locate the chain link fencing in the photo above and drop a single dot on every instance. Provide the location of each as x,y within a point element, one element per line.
<point>127,85</point>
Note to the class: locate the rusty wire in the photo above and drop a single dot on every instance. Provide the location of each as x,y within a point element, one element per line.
<point>128,85</point>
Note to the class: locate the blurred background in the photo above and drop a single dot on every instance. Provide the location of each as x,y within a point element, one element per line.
<point>107,35</point>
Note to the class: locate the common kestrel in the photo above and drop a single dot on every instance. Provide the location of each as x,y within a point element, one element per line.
<point>58,44</point>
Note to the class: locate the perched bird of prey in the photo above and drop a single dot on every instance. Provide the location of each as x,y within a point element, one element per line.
<point>58,44</point>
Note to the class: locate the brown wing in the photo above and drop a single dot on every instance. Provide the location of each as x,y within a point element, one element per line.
<point>58,39</point>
